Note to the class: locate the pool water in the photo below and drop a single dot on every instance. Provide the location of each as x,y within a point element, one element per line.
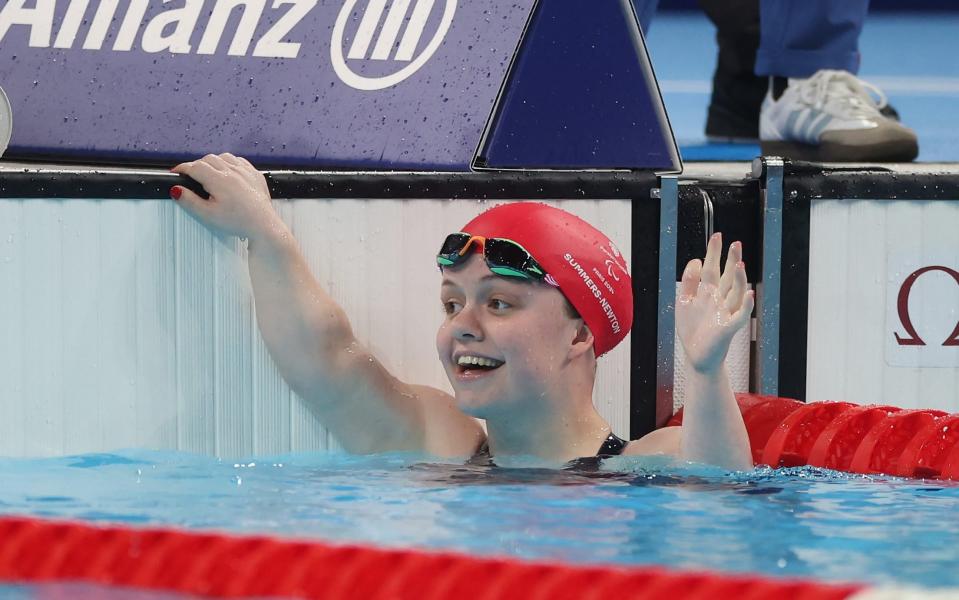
<point>629,511</point>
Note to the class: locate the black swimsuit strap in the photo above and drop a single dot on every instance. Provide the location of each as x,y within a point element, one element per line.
<point>482,457</point>
<point>613,446</point>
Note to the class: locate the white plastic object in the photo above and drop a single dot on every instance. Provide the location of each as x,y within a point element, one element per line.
<point>6,121</point>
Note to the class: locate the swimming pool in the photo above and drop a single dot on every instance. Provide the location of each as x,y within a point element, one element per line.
<point>804,522</point>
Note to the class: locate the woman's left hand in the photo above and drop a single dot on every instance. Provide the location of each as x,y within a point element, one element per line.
<point>712,307</point>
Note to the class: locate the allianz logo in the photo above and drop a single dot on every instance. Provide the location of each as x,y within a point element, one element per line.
<point>405,61</point>
<point>86,24</point>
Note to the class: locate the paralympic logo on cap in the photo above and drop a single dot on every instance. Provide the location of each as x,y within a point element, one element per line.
<point>364,47</point>
<point>613,260</point>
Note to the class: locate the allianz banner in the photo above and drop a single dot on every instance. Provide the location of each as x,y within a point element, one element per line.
<point>355,83</point>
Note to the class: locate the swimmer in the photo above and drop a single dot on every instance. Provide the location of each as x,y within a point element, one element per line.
<point>527,313</point>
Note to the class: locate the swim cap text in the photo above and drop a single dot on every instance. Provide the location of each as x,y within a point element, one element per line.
<point>597,292</point>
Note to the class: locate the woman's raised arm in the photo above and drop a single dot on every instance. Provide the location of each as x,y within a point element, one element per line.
<point>309,335</point>
<point>710,310</point>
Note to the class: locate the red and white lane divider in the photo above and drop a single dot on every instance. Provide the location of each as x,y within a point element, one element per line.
<point>905,593</point>
<point>848,437</point>
<point>38,551</point>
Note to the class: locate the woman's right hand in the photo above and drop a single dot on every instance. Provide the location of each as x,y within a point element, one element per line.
<point>239,202</point>
<point>711,307</point>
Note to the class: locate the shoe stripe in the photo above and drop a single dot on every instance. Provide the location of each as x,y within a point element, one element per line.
<point>815,117</point>
<point>800,125</point>
<point>817,130</point>
<point>811,118</point>
<point>800,131</point>
<point>789,128</point>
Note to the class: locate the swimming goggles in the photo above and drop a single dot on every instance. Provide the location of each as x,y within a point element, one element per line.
<point>503,257</point>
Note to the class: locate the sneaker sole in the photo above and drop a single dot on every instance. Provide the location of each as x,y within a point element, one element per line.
<point>895,151</point>
<point>740,141</point>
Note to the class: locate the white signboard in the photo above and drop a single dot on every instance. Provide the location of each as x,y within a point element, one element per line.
<point>884,302</point>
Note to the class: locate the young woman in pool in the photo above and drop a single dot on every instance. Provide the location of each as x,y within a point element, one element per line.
<point>532,296</point>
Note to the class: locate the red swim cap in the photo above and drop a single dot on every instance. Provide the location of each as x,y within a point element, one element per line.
<point>582,262</point>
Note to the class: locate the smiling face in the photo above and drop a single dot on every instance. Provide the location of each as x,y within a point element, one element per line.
<point>505,344</point>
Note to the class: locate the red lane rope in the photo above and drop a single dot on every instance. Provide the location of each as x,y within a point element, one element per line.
<point>882,445</point>
<point>848,437</point>
<point>791,442</point>
<point>837,444</point>
<point>38,551</point>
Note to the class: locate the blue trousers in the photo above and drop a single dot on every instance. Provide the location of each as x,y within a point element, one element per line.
<point>799,37</point>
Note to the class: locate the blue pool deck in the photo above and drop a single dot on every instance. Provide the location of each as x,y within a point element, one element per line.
<point>912,57</point>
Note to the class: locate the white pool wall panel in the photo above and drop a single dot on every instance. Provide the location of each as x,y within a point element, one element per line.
<point>124,323</point>
<point>156,293</point>
<point>193,331</point>
<point>12,350</point>
<point>853,280</point>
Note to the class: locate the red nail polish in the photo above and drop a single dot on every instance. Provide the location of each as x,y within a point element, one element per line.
<point>175,192</point>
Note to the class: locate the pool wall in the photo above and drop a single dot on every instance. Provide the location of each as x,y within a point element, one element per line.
<point>864,252</point>
<point>127,324</point>
<point>123,323</point>
<point>869,271</point>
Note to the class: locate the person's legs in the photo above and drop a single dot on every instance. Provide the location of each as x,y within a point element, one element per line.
<point>799,38</point>
<point>816,108</point>
<point>737,91</point>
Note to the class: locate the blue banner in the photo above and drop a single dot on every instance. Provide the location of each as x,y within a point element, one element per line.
<point>343,84</point>
<point>331,83</point>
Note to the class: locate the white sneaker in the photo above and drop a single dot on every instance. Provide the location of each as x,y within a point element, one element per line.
<point>833,116</point>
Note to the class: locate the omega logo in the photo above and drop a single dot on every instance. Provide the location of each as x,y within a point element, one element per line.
<point>902,304</point>
<point>405,57</point>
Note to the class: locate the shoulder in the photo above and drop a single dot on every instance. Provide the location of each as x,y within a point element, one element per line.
<point>448,430</point>
<point>661,441</point>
